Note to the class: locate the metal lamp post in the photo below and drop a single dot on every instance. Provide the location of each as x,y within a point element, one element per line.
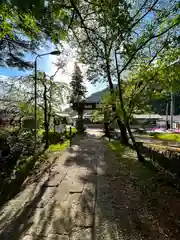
<point>35,91</point>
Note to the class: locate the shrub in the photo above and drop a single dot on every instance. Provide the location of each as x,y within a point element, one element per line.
<point>73,132</point>
<point>14,146</point>
<point>54,137</point>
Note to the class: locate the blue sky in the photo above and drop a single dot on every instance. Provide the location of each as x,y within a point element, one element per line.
<point>46,64</point>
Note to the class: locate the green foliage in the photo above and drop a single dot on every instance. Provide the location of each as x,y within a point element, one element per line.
<point>54,137</point>
<point>133,28</point>
<point>27,25</point>
<point>58,147</point>
<point>167,136</point>
<point>59,142</point>
<point>15,146</point>
<point>98,116</point>
<point>27,110</point>
<point>168,68</point>
<point>56,92</point>
<point>137,34</point>
<point>19,35</point>
<point>159,104</point>
<point>77,86</point>
<point>41,131</point>
<point>35,6</point>
<point>73,132</point>
<point>134,102</point>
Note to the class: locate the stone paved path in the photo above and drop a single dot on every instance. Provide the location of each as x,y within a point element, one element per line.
<point>62,204</point>
<point>88,194</point>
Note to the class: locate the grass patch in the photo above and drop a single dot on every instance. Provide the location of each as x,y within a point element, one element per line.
<point>41,131</point>
<point>162,136</point>
<point>167,136</point>
<point>73,129</point>
<point>58,147</point>
<point>141,174</point>
<point>54,139</point>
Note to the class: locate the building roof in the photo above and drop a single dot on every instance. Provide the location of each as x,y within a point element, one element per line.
<point>87,115</point>
<point>62,114</point>
<point>176,118</point>
<point>147,116</point>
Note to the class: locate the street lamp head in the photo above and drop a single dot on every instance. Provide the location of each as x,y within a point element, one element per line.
<point>56,52</point>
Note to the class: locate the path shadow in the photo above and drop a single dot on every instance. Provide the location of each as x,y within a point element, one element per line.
<point>57,218</point>
<point>17,215</point>
<point>127,206</point>
<point>152,198</point>
<point>119,199</point>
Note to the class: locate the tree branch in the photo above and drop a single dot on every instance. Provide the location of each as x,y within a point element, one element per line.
<point>83,24</point>
<point>143,5</point>
<point>132,100</point>
<point>144,44</point>
<point>41,106</point>
<point>134,24</point>
<point>81,44</point>
<point>57,70</point>
<point>71,21</point>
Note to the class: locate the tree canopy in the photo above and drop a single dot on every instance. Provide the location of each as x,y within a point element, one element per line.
<point>114,39</point>
<point>77,85</point>
<point>27,26</point>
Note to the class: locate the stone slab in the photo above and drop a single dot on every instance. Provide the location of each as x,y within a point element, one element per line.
<point>82,217</point>
<point>49,192</point>
<point>63,194</point>
<point>73,186</point>
<point>82,210</point>
<point>50,220</point>
<point>82,234</point>
<point>49,237</point>
<point>54,181</point>
<point>105,224</point>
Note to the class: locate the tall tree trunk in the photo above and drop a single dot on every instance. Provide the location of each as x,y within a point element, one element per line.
<point>80,111</point>
<point>106,122</point>
<point>106,129</point>
<point>136,147</point>
<point>122,127</point>
<point>124,137</point>
<point>139,155</point>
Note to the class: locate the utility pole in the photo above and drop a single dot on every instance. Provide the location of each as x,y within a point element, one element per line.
<point>172,109</point>
<point>167,113</point>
